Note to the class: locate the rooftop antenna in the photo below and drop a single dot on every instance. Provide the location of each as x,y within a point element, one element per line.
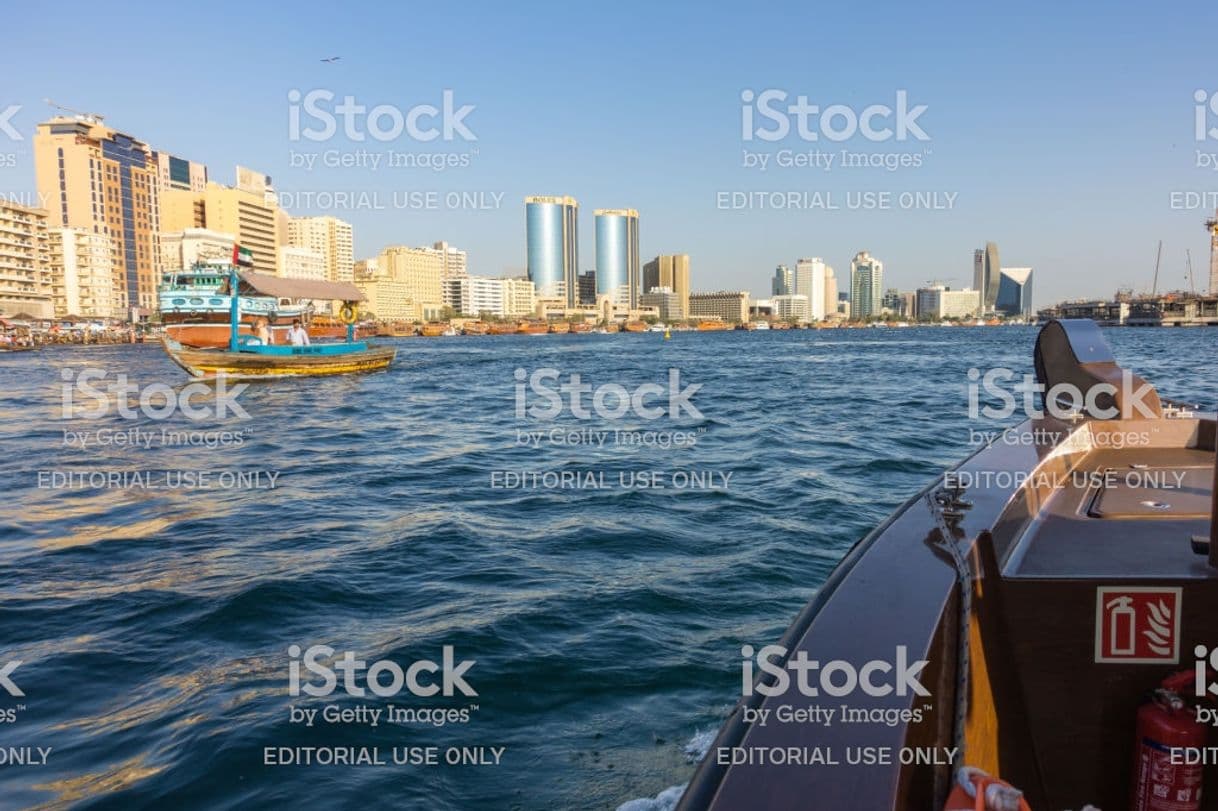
<point>94,117</point>
<point>1154,291</point>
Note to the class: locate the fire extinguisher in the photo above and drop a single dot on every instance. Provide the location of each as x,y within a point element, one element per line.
<point>1167,726</point>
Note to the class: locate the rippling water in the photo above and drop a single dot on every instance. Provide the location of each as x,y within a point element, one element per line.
<point>153,624</point>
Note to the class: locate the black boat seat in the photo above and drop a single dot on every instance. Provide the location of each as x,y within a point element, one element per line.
<point>1074,352</point>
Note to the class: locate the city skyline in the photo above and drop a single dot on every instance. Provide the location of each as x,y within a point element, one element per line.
<point>1037,143</point>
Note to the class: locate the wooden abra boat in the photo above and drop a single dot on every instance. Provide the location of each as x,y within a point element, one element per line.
<point>713,326</point>
<point>532,328</point>
<point>249,358</point>
<point>500,328</point>
<point>1026,614</point>
<point>559,327</point>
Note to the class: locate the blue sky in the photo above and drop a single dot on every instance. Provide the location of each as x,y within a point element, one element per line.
<point>1062,131</point>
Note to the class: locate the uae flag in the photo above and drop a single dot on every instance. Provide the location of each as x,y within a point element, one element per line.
<point>242,257</point>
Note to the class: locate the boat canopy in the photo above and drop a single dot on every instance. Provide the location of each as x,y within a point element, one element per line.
<point>264,284</point>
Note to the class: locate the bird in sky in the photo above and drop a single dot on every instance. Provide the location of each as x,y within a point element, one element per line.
<point>332,59</point>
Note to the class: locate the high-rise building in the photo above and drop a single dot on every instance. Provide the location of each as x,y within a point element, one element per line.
<point>830,292</point>
<point>182,249</point>
<point>552,243</point>
<point>986,271</point>
<point>671,271</point>
<point>106,182</point>
<point>329,237</point>
<point>301,263</point>
<point>1212,226</point>
<point>254,218</point>
<point>866,286</point>
<point>617,255</point>
<point>422,270</point>
<point>1015,292</point>
<point>728,305</point>
<point>83,274</point>
<point>809,281</point>
<point>180,174</point>
<point>26,285</point>
<point>783,282</point>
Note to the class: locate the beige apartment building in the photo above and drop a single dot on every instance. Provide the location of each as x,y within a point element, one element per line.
<point>670,271</point>
<point>25,270</point>
<point>251,217</point>
<point>82,275</point>
<point>388,298</point>
<point>726,305</point>
<point>329,237</point>
<point>422,271</point>
<point>91,176</point>
<point>301,263</point>
<point>182,249</point>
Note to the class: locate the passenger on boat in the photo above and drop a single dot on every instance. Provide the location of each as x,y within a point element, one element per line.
<point>262,331</point>
<point>298,335</point>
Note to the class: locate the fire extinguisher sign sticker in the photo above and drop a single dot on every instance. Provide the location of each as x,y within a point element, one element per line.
<point>1137,624</point>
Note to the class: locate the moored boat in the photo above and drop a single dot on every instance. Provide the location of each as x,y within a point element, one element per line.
<point>713,326</point>
<point>582,328</point>
<point>1037,613</point>
<point>532,328</point>
<point>433,329</point>
<point>474,328</point>
<point>502,328</point>
<point>635,326</point>
<point>559,327</point>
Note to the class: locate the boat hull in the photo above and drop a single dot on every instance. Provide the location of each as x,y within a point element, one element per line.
<point>215,363</point>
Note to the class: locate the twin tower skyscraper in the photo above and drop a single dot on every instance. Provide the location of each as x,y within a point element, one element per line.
<point>552,236</point>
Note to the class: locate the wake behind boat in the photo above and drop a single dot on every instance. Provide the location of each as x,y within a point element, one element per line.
<point>249,357</point>
<point>1042,614</point>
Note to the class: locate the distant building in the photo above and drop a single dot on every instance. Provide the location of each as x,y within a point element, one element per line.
<point>477,295</point>
<point>552,243</point>
<point>423,271</point>
<point>986,270</point>
<point>783,281</point>
<point>762,308</point>
<point>25,270</point>
<point>1015,292</point>
<point>83,274</point>
<point>938,302</point>
<point>519,297</point>
<point>182,249</point>
<point>792,307</point>
<point>666,301</point>
<point>671,271</point>
<point>727,305</point>
<point>93,177</point>
<point>331,238</point>
<point>587,288</point>
<point>301,263</point>
<point>810,277</point>
<point>866,286</point>
<point>617,256</point>
<point>899,304</point>
<point>180,174</point>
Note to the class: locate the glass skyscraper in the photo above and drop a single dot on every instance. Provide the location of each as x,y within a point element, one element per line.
<point>617,255</point>
<point>866,286</point>
<point>552,236</point>
<point>1015,292</point>
<point>985,275</point>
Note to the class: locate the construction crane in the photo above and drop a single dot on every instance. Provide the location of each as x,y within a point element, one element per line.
<point>1192,283</point>
<point>93,117</point>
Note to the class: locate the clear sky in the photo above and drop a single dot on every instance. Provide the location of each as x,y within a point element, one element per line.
<point>1060,131</point>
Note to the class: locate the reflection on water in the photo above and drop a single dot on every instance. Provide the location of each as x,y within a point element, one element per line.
<point>154,623</point>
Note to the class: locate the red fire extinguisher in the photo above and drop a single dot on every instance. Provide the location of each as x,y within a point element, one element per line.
<point>1165,778</point>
